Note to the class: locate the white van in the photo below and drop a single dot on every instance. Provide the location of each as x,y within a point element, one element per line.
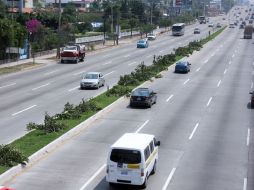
<point>132,158</point>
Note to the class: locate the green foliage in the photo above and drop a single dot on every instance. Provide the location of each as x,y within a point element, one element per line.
<point>119,91</point>
<point>10,156</point>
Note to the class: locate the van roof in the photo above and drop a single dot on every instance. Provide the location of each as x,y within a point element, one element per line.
<point>136,141</point>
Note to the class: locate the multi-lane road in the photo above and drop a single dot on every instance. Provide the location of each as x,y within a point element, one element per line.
<point>26,96</point>
<point>202,119</point>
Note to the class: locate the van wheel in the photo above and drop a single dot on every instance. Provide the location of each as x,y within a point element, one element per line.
<point>143,186</point>
<point>154,168</point>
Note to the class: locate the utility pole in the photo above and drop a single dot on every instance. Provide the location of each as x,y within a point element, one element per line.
<point>59,28</point>
<point>112,19</point>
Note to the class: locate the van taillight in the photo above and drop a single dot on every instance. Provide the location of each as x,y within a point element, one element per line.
<point>142,172</point>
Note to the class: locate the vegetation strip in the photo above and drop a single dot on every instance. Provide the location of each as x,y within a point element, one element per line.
<point>55,126</point>
<point>16,68</point>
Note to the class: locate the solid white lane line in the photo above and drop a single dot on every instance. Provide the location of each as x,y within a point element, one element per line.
<point>127,55</point>
<point>229,62</point>
<point>225,71</point>
<point>198,69</point>
<point>233,55</point>
<point>107,63</point>
<point>132,63</point>
<point>23,110</point>
<point>245,183</point>
<point>41,86</point>
<point>185,82</point>
<point>50,72</point>
<point>169,179</point>
<point>248,137</point>
<point>7,85</point>
<point>193,131</point>
<point>93,176</point>
<point>209,101</point>
<point>219,83</point>
<point>75,74</point>
<point>73,88</point>
<point>141,127</point>
<point>109,73</point>
<point>251,86</point>
<point>171,96</point>
<point>206,61</point>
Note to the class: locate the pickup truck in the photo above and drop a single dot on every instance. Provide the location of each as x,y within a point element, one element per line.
<point>73,53</point>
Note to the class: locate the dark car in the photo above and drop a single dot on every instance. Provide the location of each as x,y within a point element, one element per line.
<point>252,99</point>
<point>143,97</point>
<point>182,67</point>
<point>241,26</point>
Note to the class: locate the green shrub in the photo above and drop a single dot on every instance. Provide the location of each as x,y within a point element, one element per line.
<point>119,91</point>
<point>10,156</point>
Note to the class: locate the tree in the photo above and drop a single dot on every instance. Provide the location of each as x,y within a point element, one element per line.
<point>69,13</point>
<point>146,28</point>
<point>3,9</point>
<point>133,23</point>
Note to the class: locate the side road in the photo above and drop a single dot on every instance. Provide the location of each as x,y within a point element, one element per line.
<point>51,58</point>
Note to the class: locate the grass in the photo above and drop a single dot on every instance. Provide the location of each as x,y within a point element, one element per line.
<point>35,140</point>
<point>16,68</point>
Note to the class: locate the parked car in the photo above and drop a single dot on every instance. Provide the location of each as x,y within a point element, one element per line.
<point>143,43</point>
<point>252,99</point>
<point>5,188</point>
<point>231,25</point>
<point>218,25</point>
<point>92,80</point>
<point>151,36</point>
<point>143,97</point>
<point>73,53</point>
<point>196,31</point>
<point>182,67</point>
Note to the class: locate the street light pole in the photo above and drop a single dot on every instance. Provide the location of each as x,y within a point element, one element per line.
<point>59,28</point>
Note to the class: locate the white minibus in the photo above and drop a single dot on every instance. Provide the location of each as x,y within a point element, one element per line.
<point>178,29</point>
<point>132,158</point>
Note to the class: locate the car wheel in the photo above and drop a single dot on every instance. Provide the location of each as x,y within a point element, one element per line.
<point>149,105</point>
<point>62,61</point>
<point>154,168</point>
<point>252,104</point>
<point>155,100</point>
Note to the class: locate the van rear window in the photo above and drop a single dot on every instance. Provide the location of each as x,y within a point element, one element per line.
<point>125,156</point>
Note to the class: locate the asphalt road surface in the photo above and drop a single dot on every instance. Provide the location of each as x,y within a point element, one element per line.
<point>202,118</point>
<point>27,95</point>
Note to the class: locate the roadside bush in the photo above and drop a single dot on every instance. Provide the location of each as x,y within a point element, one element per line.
<point>70,112</point>
<point>86,106</point>
<point>195,45</point>
<point>119,91</point>
<point>10,156</point>
<point>128,80</point>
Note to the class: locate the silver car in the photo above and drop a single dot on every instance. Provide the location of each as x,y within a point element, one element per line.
<point>92,80</point>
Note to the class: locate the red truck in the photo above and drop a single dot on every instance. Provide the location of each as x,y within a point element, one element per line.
<point>73,53</point>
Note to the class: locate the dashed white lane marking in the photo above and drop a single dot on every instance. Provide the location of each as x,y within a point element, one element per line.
<point>206,61</point>
<point>132,63</point>
<point>219,83</point>
<point>81,72</point>
<point>209,101</point>
<point>93,177</point>
<point>253,63</point>
<point>245,183</point>
<point>198,69</point>
<point>212,54</point>
<point>107,63</point>
<point>142,126</point>
<point>109,73</point>
<point>185,82</point>
<point>73,88</point>
<point>225,71</point>
<point>7,85</point>
<point>251,86</point>
<point>127,55</point>
<point>229,62</point>
<point>23,110</point>
<point>41,86</point>
<point>193,131</point>
<point>233,55</point>
<point>50,72</point>
<point>171,96</point>
<point>169,179</point>
<point>248,137</point>
<point>252,72</point>
<point>107,55</point>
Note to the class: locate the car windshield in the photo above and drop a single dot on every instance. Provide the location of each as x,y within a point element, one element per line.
<point>125,156</point>
<point>91,76</point>
<point>177,28</point>
<point>70,48</point>
<point>140,92</point>
<point>141,41</point>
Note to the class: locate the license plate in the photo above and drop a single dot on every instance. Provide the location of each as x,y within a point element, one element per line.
<point>124,172</point>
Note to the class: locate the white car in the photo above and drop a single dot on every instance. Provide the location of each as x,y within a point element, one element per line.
<point>210,24</point>
<point>92,80</point>
<point>151,36</point>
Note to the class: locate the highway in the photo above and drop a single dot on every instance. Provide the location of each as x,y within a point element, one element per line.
<point>27,95</point>
<point>202,119</point>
